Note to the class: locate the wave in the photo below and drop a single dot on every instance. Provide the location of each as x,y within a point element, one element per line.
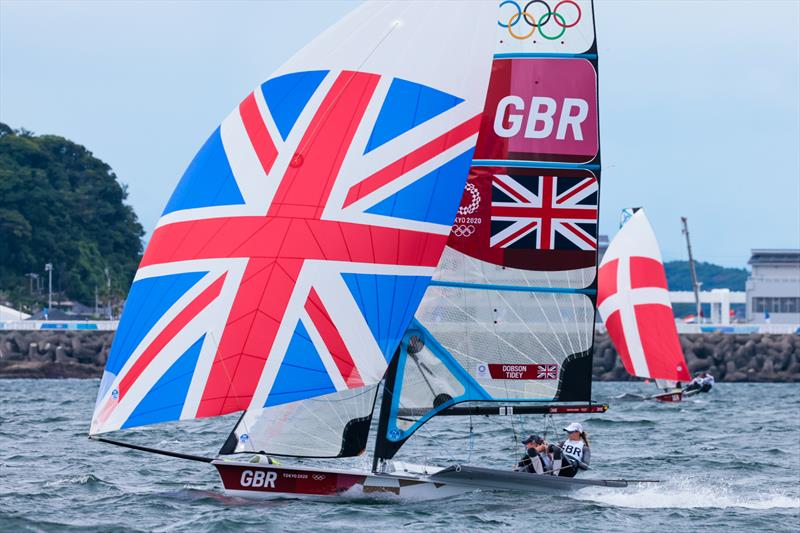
<point>688,493</point>
<point>592,422</point>
<point>86,479</point>
<point>630,397</point>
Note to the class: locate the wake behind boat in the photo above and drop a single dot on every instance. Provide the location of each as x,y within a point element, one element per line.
<point>315,247</point>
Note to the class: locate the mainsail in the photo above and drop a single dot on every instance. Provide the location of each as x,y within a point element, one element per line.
<point>633,300</point>
<point>297,246</point>
<point>510,313</point>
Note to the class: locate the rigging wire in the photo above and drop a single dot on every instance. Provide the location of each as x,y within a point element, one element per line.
<point>471,440</point>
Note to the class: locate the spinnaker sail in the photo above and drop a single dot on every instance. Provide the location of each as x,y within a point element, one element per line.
<point>510,313</point>
<point>296,247</point>
<point>633,300</point>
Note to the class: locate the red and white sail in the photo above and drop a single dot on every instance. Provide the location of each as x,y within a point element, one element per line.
<point>633,299</point>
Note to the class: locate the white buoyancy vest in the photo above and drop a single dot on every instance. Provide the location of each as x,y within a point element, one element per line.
<point>573,449</point>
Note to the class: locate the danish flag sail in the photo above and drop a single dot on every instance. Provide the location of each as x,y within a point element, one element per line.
<point>292,255</point>
<point>510,313</point>
<point>633,300</point>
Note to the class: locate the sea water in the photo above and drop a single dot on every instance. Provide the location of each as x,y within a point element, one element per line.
<point>728,460</point>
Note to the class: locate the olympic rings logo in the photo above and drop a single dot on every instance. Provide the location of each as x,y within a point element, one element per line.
<point>525,14</point>
<point>474,203</point>
<point>463,230</point>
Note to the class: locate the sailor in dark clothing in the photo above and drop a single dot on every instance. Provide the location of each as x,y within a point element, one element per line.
<point>536,459</point>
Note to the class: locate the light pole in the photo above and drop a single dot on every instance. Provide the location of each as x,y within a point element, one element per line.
<point>108,291</point>
<point>33,276</point>
<point>49,269</point>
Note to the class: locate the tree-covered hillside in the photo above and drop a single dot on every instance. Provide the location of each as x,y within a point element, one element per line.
<point>59,204</point>
<point>679,277</point>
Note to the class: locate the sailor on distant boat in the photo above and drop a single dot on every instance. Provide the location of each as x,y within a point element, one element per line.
<point>708,382</point>
<point>701,383</point>
<point>536,459</point>
<point>572,454</point>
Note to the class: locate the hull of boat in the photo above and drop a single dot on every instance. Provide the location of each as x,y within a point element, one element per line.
<point>276,481</point>
<point>260,481</point>
<point>669,397</point>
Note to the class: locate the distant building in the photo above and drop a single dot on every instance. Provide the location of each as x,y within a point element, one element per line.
<point>773,288</point>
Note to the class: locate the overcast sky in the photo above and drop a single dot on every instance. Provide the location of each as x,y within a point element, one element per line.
<point>700,101</point>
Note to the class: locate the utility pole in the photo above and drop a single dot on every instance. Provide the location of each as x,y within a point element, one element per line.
<point>33,276</point>
<point>695,283</point>
<point>49,269</point>
<point>108,291</point>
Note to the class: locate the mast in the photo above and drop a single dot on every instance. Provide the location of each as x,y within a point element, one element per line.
<point>695,283</point>
<point>383,448</point>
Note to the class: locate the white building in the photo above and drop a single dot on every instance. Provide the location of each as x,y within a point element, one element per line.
<point>773,288</point>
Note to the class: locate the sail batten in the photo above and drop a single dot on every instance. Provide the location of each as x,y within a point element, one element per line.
<point>519,288</point>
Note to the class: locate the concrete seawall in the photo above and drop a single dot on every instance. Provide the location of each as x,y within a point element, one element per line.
<point>751,357</point>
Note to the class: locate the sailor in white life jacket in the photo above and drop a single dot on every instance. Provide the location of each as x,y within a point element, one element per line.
<point>572,454</point>
<point>708,382</point>
<point>702,383</point>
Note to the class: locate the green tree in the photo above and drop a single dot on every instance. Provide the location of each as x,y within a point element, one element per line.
<point>679,276</point>
<point>59,204</point>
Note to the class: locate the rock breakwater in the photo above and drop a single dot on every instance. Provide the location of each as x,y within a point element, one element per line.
<point>729,357</point>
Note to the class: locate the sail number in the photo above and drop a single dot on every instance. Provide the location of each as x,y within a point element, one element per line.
<point>259,478</point>
<point>509,118</point>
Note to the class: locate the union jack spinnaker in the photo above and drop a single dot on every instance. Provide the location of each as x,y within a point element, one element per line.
<point>289,260</point>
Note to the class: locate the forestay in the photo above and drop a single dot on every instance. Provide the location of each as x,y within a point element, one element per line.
<point>296,247</point>
<point>510,313</point>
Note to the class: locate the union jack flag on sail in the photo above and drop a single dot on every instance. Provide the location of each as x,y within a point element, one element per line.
<point>294,251</point>
<point>547,372</point>
<point>544,212</point>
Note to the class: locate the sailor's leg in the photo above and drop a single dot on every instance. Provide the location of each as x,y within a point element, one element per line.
<point>568,468</point>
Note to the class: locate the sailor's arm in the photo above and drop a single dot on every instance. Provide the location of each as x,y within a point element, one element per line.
<point>585,459</point>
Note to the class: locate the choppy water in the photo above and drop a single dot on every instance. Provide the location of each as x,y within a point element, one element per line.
<point>729,460</point>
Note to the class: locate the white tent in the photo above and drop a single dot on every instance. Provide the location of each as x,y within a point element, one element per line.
<point>8,314</point>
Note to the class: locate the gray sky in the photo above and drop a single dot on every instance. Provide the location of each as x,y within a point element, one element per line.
<point>700,101</point>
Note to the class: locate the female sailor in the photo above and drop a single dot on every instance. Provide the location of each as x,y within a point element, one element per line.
<point>572,454</point>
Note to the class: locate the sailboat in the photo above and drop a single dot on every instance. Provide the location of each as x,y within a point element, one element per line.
<point>411,199</point>
<point>633,300</point>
